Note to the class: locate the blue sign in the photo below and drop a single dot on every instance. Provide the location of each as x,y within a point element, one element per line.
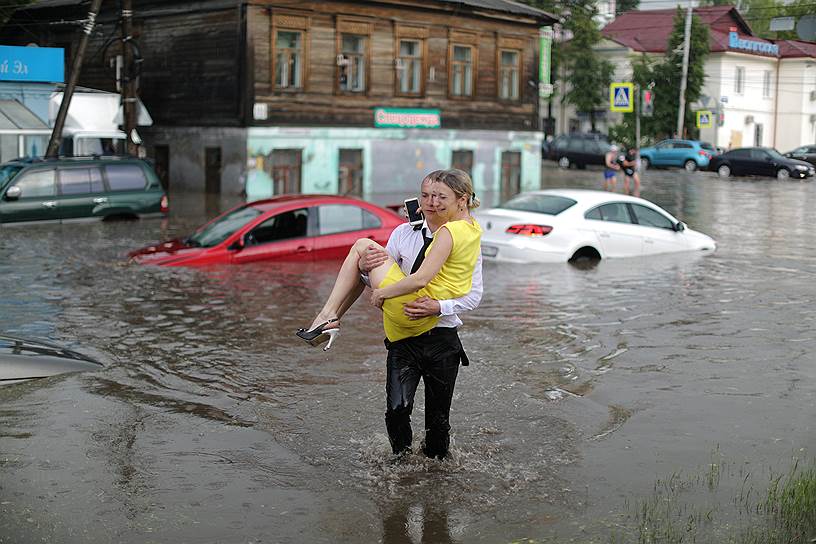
<point>735,42</point>
<point>32,64</point>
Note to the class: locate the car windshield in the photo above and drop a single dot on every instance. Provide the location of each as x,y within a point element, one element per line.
<point>549,204</point>
<point>219,230</point>
<point>7,172</point>
<point>775,154</point>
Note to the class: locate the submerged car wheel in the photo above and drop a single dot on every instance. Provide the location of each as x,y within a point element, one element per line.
<point>690,165</point>
<point>564,162</point>
<point>782,173</point>
<point>724,171</point>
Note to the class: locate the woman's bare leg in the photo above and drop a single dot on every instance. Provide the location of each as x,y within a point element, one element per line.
<point>348,286</point>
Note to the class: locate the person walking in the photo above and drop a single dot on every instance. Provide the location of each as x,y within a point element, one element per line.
<point>418,348</point>
<point>611,168</point>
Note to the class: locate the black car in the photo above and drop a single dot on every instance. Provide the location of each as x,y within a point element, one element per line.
<point>578,149</point>
<point>759,161</point>
<point>804,153</point>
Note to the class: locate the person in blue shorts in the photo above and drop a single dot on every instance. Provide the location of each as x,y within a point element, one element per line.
<point>611,168</point>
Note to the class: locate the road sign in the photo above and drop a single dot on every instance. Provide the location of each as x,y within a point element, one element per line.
<point>621,97</point>
<point>705,119</point>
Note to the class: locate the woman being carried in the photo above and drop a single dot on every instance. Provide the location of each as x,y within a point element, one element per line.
<point>446,272</point>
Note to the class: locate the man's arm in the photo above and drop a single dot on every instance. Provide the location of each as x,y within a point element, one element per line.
<point>425,306</point>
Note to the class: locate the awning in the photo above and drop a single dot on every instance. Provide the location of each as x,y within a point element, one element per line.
<point>97,111</point>
<point>15,118</point>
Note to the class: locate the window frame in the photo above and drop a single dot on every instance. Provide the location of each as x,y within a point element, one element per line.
<point>363,211</point>
<point>21,176</point>
<point>360,28</point>
<point>415,34</point>
<point>288,22</point>
<point>102,182</point>
<point>739,80</point>
<point>470,40</point>
<point>766,84</point>
<point>275,217</point>
<point>499,74</point>
<point>632,206</point>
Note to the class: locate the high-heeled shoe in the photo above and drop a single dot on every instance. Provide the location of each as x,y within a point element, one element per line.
<point>320,334</point>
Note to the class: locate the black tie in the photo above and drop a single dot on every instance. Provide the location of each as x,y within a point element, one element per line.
<point>421,257</point>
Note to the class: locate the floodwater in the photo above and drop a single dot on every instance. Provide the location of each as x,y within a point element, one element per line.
<point>212,423</point>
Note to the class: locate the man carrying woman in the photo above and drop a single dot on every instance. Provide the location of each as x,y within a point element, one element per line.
<point>417,347</point>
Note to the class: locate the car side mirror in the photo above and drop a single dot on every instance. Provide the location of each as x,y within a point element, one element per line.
<point>237,245</point>
<point>679,226</point>
<point>13,193</point>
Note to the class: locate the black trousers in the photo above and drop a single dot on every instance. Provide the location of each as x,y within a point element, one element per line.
<point>434,357</point>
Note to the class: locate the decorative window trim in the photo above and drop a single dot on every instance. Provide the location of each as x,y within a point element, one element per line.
<point>295,23</point>
<point>357,27</point>
<point>463,39</point>
<point>412,33</point>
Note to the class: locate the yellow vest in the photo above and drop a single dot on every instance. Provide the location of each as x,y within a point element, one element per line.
<point>453,280</point>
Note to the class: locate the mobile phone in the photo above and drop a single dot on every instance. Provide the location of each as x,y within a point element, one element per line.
<point>415,216</point>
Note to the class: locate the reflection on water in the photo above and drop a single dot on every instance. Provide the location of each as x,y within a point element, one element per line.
<point>212,421</point>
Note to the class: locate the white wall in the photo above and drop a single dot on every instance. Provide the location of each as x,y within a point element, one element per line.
<point>797,81</point>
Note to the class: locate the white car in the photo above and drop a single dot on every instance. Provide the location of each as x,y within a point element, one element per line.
<point>560,225</point>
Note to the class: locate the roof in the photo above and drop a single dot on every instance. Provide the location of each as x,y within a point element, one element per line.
<point>649,32</point>
<point>506,6</point>
<point>15,116</point>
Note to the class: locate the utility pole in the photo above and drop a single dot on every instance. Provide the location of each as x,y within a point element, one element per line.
<point>76,66</point>
<point>681,113</point>
<point>638,106</point>
<point>129,100</point>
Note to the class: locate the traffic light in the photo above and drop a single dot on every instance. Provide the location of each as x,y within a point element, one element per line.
<point>647,103</point>
<point>720,118</point>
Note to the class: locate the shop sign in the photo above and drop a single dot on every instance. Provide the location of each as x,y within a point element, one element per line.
<point>735,42</point>
<point>406,118</point>
<point>45,64</point>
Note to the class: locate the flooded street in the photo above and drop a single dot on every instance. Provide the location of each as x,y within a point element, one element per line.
<point>212,422</point>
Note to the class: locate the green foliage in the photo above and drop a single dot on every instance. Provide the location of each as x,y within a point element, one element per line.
<point>622,6</point>
<point>665,75</point>
<point>587,74</point>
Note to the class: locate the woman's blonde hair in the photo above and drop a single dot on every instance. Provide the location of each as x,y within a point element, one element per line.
<point>459,182</point>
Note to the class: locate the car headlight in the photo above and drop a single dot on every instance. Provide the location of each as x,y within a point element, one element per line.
<point>800,167</point>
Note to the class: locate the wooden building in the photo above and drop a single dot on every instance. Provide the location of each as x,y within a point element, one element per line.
<point>359,97</point>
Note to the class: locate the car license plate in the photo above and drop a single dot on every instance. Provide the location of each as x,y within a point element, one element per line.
<point>489,251</point>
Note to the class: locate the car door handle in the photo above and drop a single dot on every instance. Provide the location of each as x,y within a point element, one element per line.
<point>100,200</point>
<point>648,241</point>
<point>603,235</point>
<point>50,204</point>
<point>302,249</point>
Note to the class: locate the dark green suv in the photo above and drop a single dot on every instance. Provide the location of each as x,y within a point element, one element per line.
<point>79,187</point>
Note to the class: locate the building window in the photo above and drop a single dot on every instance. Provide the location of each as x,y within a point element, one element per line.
<point>284,169</point>
<point>351,63</point>
<point>766,84</point>
<point>510,174</point>
<point>739,80</point>
<point>350,175</point>
<point>509,74</point>
<point>289,59</point>
<point>461,70</point>
<point>409,67</point>
<point>463,160</point>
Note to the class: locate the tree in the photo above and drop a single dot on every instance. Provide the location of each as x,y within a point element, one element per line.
<point>587,75</point>
<point>665,75</point>
<point>622,6</point>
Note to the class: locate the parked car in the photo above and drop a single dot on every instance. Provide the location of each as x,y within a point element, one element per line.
<point>560,225</point>
<point>32,359</point>
<point>713,151</point>
<point>286,227</point>
<point>689,154</point>
<point>804,153</point>
<point>578,149</point>
<point>759,161</point>
<point>75,188</point>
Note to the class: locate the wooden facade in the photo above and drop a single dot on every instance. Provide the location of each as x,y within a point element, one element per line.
<point>313,63</point>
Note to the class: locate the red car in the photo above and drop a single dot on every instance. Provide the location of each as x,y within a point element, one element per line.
<point>287,227</point>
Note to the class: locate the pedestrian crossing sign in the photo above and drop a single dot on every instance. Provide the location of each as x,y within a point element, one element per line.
<point>705,119</point>
<point>620,97</point>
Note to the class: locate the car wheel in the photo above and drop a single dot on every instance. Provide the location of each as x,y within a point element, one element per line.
<point>564,162</point>
<point>690,165</point>
<point>645,164</point>
<point>724,171</point>
<point>782,173</point>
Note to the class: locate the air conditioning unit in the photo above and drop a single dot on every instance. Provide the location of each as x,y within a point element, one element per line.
<point>749,119</point>
<point>813,96</point>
